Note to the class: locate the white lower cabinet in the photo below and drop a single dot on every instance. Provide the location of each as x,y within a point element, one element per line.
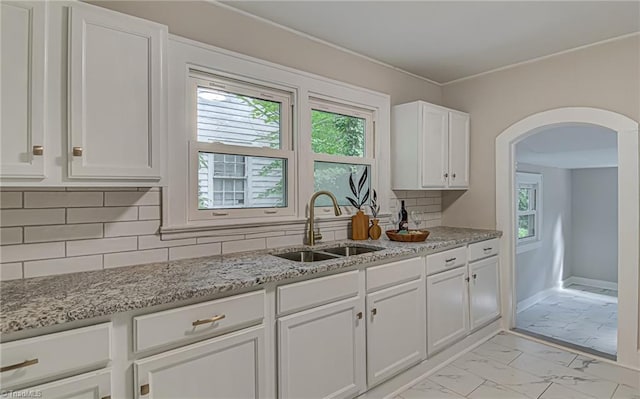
<point>95,385</point>
<point>229,366</point>
<point>447,308</point>
<point>321,352</point>
<point>484,289</point>
<point>395,330</point>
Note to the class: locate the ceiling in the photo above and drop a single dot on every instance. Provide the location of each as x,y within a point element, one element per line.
<point>571,147</point>
<point>449,40</point>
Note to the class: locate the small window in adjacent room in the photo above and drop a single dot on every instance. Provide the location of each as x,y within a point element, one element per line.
<point>528,210</point>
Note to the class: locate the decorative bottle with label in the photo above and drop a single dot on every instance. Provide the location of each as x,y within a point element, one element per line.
<point>404,223</point>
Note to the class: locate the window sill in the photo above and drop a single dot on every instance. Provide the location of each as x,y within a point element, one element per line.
<point>528,246</point>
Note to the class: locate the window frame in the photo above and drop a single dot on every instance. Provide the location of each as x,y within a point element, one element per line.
<point>197,79</point>
<point>532,242</point>
<point>368,158</point>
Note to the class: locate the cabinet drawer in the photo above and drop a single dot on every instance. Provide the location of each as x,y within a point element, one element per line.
<point>47,356</point>
<point>483,249</point>
<point>306,294</point>
<point>181,324</point>
<point>446,260</point>
<point>394,273</point>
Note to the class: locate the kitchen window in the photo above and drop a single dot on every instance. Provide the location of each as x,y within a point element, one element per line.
<point>241,151</point>
<point>342,142</point>
<point>528,210</point>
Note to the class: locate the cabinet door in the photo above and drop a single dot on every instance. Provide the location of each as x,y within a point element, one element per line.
<point>435,128</point>
<point>395,330</point>
<point>22,52</point>
<point>458,150</point>
<point>484,291</point>
<point>230,366</point>
<point>95,385</point>
<point>116,95</point>
<point>447,308</point>
<point>321,352</point>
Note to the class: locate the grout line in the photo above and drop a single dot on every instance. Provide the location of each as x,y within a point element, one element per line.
<point>545,390</point>
<point>514,359</point>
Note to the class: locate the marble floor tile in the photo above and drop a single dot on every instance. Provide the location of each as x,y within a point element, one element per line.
<point>497,352</point>
<point>491,390</point>
<point>549,353</point>
<point>557,391</point>
<point>539,372</point>
<point>428,390</point>
<point>607,371</point>
<point>509,377</point>
<point>457,380</point>
<point>569,377</point>
<point>626,392</point>
<point>578,314</point>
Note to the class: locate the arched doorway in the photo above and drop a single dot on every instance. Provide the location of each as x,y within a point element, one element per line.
<point>628,216</point>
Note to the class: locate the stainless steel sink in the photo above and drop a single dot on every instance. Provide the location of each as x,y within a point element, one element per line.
<point>326,253</point>
<point>350,250</point>
<point>306,256</point>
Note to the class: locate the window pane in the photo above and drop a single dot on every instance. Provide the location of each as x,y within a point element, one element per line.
<point>526,226</point>
<point>523,199</point>
<point>265,176</point>
<point>334,177</point>
<point>336,134</point>
<point>237,119</point>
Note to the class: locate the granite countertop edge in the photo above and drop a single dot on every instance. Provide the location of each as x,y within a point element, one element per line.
<point>47,301</point>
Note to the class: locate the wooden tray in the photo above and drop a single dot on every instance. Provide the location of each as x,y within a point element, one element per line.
<point>394,236</point>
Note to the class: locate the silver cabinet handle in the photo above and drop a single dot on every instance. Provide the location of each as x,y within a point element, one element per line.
<point>38,150</point>
<point>208,321</point>
<point>446,175</point>
<point>20,365</point>
<point>450,260</point>
<point>77,151</point>
<point>453,175</point>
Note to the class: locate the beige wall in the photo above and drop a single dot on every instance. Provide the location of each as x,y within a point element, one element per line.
<point>224,28</point>
<point>605,76</point>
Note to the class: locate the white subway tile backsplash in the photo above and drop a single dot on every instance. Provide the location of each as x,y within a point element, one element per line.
<point>134,198</point>
<point>195,251</point>
<point>23,252</point>
<point>154,241</point>
<point>101,246</point>
<point>62,266</point>
<point>136,257</point>
<point>62,232</point>
<point>10,271</point>
<point>31,217</point>
<point>229,247</point>
<point>10,235</point>
<point>118,229</point>
<point>9,200</point>
<point>62,199</point>
<point>149,212</point>
<point>91,215</point>
<point>51,231</point>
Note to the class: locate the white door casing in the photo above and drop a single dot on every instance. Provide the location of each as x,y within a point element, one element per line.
<point>628,214</point>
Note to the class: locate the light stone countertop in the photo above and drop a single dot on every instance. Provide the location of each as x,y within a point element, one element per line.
<point>46,301</point>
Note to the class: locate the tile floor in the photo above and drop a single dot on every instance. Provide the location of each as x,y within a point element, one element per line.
<point>580,315</point>
<point>511,367</point>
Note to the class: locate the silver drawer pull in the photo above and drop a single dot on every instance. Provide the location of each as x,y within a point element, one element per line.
<point>17,366</point>
<point>220,213</point>
<point>207,321</point>
<point>450,260</point>
<point>487,249</point>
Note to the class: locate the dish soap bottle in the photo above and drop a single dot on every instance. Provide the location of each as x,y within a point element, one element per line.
<point>404,224</point>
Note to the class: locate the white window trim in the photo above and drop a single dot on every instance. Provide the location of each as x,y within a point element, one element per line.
<point>534,242</point>
<point>187,55</point>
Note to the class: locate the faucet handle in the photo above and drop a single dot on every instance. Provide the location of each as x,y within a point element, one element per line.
<point>317,236</point>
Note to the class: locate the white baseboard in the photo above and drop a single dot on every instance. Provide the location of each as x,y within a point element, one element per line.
<point>533,299</point>
<point>607,285</point>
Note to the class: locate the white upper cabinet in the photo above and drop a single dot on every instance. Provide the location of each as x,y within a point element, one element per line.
<point>86,106</point>
<point>430,147</point>
<point>22,47</point>
<point>115,95</point>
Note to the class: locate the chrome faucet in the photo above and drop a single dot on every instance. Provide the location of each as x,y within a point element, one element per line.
<point>336,209</point>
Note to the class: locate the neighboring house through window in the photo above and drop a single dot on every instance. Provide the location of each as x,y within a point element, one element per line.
<point>528,210</point>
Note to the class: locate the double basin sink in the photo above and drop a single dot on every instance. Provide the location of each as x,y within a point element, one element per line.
<point>317,255</point>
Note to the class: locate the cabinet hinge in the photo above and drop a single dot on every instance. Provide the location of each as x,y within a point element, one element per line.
<point>144,389</point>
